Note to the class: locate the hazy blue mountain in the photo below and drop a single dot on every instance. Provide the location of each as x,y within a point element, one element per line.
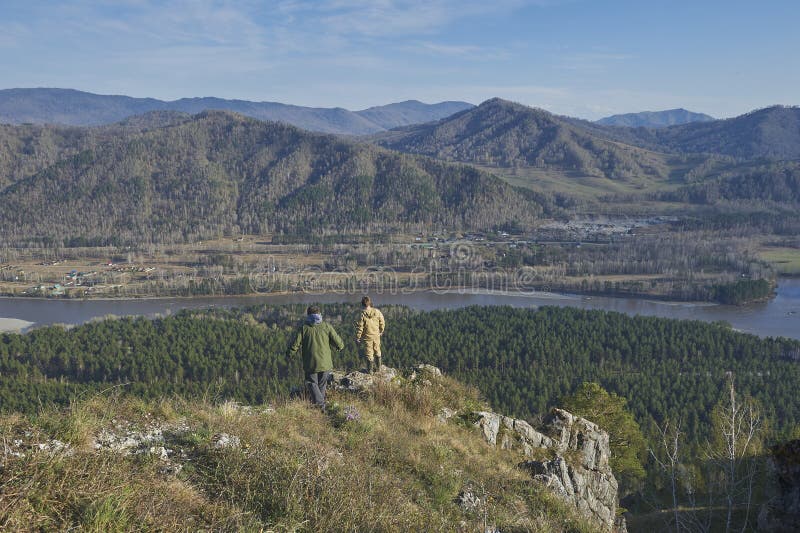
<point>655,119</point>
<point>411,112</point>
<point>77,108</point>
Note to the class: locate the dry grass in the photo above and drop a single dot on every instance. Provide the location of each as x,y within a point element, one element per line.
<point>390,467</point>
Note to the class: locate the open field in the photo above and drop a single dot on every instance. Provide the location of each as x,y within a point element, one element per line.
<point>785,260</point>
<point>578,184</point>
<point>604,254</point>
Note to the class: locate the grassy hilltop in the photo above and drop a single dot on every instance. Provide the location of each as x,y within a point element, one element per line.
<point>379,461</point>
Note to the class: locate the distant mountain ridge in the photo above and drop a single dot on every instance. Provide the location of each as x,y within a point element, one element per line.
<point>506,134</point>
<point>771,133</point>
<point>655,119</point>
<point>78,108</point>
<point>503,134</point>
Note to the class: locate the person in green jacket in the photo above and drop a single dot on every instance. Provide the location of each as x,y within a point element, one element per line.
<point>316,338</point>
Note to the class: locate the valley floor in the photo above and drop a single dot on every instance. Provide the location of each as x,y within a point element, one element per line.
<point>632,258</point>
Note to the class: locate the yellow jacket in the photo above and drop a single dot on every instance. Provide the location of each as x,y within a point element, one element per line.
<point>370,325</point>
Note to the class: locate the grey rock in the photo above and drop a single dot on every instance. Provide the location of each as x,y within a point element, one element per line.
<point>573,433</point>
<point>55,447</point>
<point>469,501</point>
<point>170,469</point>
<point>510,433</point>
<point>445,414</point>
<point>358,381</point>
<point>489,423</point>
<point>223,440</point>
<point>430,370</point>
<point>127,440</point>
<point>585,481</point>
<point>160,452</point>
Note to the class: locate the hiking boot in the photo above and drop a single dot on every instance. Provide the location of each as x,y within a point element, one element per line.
<point>379,364</point>
<point>372,367</point>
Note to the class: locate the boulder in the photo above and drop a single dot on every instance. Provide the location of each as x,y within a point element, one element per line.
<point>358,381</point>
<point>223,440</point>
<point>445,414</point>
<point>510,433</point>
<point>469,500</point>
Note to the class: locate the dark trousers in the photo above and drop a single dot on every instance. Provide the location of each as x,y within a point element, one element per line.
<point>316,383</point>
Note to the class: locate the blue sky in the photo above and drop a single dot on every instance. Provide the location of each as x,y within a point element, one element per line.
<point>586,58</point>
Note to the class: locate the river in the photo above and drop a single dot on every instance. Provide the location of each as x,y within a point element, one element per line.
<point>779,316</point>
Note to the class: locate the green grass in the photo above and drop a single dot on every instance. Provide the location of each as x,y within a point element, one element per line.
<point>785,260</point>
<point>578,184</point>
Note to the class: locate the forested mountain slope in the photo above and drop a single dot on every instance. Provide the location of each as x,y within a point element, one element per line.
<point>219,172</point>
<point>77,108</point>
<point>772,133</point>
<point>505,134</point>
<point>757,183</point>
<point>27,149</point>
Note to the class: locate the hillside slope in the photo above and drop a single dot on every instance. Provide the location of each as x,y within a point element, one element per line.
<point>77,108</point>
<point>380,460</point>
<point>504,134</point>
<point>771,133</point>
<point>218,172</point>
<point>27,149</point>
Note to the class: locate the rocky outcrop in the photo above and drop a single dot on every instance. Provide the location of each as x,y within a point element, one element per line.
<point>782,513</point>
<point>578,471</point>
<point>568,454</point>
<point>358,381</point>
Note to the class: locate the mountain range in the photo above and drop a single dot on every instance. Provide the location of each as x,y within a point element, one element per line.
<point>505,134</point>
<point>655,119</point>
<point>169,176</point>
<point>219,172</point>
<point>77,108</point>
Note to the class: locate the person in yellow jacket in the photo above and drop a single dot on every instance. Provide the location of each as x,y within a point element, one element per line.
<point>369,328</point>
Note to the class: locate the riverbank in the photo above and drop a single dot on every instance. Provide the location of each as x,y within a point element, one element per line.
<point>567,293</point>
<point>14,325</point>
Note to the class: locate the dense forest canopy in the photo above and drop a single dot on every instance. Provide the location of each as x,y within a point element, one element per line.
<point>523,360</point>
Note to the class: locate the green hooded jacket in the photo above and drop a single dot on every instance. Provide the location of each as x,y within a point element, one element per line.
<point>316,341</point>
